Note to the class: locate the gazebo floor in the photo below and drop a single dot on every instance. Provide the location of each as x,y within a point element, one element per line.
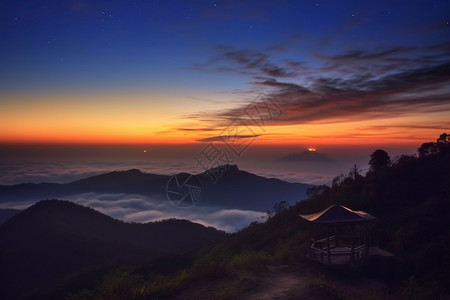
<point>378,251</point>
<point>339,255</point>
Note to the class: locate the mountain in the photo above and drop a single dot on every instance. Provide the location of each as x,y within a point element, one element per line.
<point>240,189</point>
<point>131,182</point>
<point>7,213</point>
<point>53,239</point>
<point>225,186</point>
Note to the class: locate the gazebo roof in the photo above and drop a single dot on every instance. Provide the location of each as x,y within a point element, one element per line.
<point>338,214</point>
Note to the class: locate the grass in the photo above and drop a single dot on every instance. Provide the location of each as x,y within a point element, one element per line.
<point>235,288</point>
<point>128,285</point>
<point>250,260</point>
<point>323,289</point>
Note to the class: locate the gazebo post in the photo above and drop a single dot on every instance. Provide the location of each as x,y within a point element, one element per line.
<point>315,232</point>
<point>335,234</point>
<point>353,245</point>
<point>312,239</point>
<point>328,247</point>
<point>366,244</point>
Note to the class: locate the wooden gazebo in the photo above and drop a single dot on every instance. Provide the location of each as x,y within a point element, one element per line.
<point>338,235</point>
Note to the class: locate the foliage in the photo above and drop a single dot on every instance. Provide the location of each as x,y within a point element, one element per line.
<point>323,289</point>
<point>235,288</point>
<point>277,208</point>
<point>379,160</point>
<point>250,259</point>
<point>126,284</point>
<point>441,145</point>
<point>411,200</point>
<point>418,290</point>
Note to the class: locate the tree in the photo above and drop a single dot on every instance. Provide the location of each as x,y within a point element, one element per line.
<point>444,138</point>
<point>427,149</point>
<point>277,208</point>
<point>355,173</point>
<point>379,160</point>
<point>442,145</point>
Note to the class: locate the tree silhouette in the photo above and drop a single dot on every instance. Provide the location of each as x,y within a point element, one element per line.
<point>444,138</point>
<point>379,160</point>
<point>355,173</point>
<point>441,145</point>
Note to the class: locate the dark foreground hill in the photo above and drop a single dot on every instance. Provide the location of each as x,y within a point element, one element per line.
<point>409,196</point>
<point>55,239</point>
<point>6,213</point>
<point>410,199</point>
<point>226,187</point>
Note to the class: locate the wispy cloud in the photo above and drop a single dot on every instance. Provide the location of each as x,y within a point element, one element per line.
<point>135,208</point>
<point>248,62</point>
<point>15,172</point>
<point>348,86</point>
<point>228,138</point>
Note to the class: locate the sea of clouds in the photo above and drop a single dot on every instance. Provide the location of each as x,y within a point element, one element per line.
<point>67,164</point>
<point>141,209</point>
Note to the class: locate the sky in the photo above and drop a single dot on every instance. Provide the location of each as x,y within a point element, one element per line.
<point>88,87</point>
<point>196,72</point>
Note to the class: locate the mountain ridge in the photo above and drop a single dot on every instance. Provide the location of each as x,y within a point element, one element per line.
<point>233,188</point>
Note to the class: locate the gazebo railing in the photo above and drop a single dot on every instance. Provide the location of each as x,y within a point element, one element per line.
<point>336,250</point>
<point>334,241</point>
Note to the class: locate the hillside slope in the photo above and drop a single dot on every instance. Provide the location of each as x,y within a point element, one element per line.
<point>53,239</point>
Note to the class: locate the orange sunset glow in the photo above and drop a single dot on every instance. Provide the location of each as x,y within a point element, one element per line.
<point>145,118</point>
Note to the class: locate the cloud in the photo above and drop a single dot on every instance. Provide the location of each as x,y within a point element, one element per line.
<point>196,129</point>
<point>141,209</point>
<point>229,138</point>
<point>247,62</point>
<point>349,86</point>
<point>361,55</point>
<point>66,163</point>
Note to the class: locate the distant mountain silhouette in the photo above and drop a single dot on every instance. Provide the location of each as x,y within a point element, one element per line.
<point>225,186</point>
<point>130,182</point>
<point>307,156</point>
<point>53,239</point>
<point>240,189</point>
